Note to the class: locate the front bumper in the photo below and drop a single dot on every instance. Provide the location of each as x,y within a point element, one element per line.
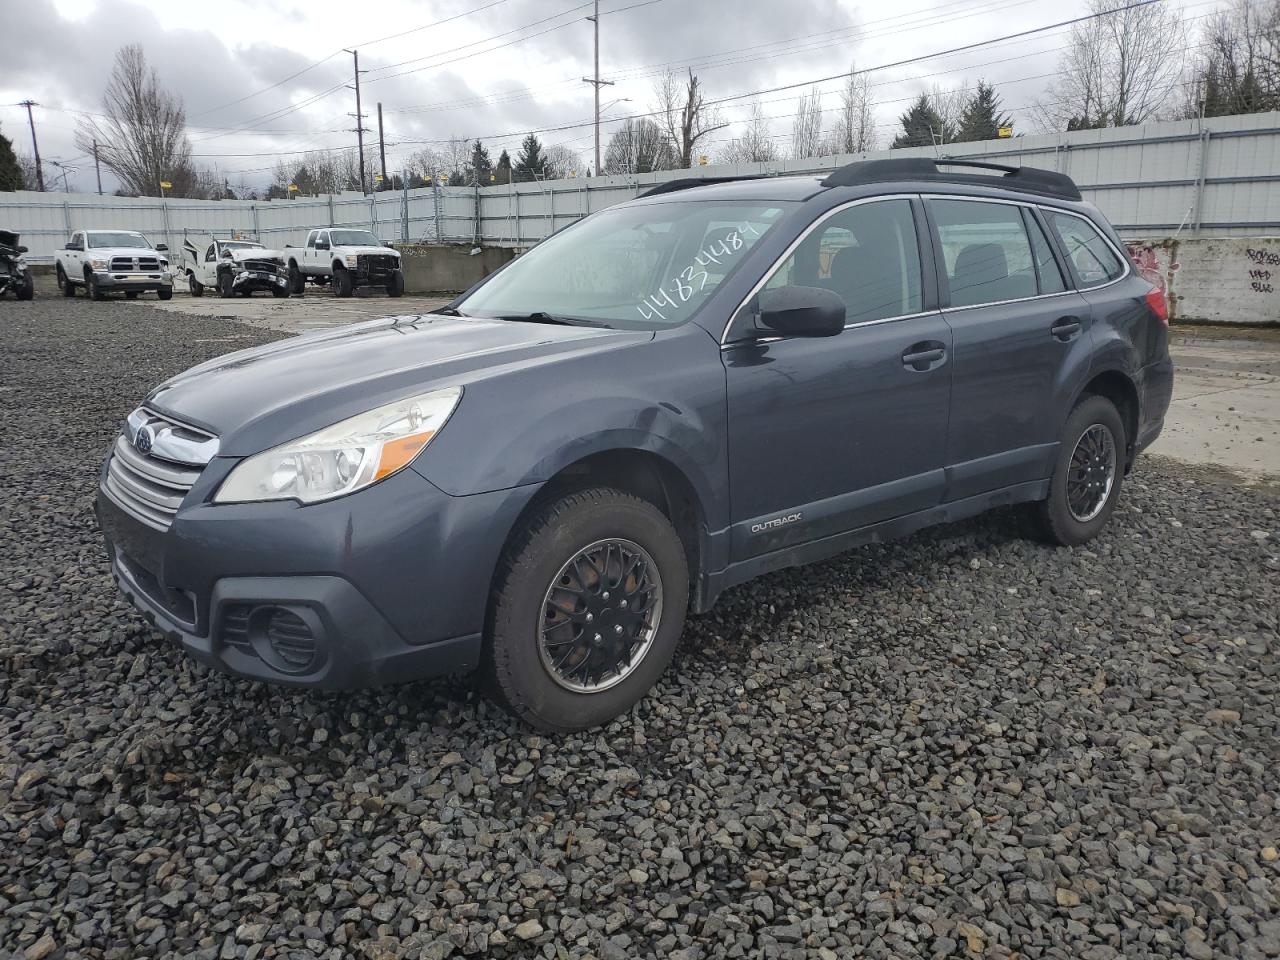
<point>387,585</point>
<point>132,281</point>
<point>254,280</point>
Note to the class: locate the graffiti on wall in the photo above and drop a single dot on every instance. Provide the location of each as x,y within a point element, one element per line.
<point>1261,279</point>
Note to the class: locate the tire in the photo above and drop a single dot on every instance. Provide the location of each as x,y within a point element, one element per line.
<point>64,283</point>
<point>95,291</point>
<point>343,285</point>
<point>517,670</point>
<point>297,282</point>
<point>1082,492</point>
<point>27,289</point>
<point>226,289</point>
<point>279,292</point>
<point>194,285</point>
<point>131,294</point>
<point>165,293</point>
<point>395,286</point>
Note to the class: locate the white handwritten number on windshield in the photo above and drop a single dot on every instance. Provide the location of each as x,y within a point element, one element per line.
<point>693,278</point>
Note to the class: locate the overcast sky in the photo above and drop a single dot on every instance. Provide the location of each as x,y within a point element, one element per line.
<point>492,69</point>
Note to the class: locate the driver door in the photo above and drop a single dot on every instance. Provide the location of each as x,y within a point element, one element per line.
<point>208,266</point>
<point>834,433</point>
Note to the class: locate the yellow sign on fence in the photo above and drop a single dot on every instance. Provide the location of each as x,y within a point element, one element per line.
<point>293,188</point>
<point>1006,132</point>
<point>166,185</point>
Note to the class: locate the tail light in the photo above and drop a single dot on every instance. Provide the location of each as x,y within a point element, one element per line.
<point>1159,304</point>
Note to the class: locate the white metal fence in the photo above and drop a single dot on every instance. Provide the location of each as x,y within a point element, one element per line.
<point>1220,176</point>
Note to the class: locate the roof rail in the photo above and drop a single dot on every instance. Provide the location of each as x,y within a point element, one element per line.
<point>1026,179</point>
<point>686,183</point>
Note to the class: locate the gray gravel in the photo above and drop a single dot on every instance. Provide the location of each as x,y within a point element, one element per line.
<point>964,744</point>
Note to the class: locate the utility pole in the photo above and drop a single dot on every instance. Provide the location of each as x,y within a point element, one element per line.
<point>382,146</point>
<point>597,82</point>
<point>96,168</point>
<point>355,55</point>
<point>34,147</point>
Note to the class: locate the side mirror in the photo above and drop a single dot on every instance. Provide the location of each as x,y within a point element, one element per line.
<point>802,311</point>
<point>386,243</point>
<point>162,248</point>
<point>21,249</point>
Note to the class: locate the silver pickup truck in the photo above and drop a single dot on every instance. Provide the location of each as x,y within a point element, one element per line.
<point>346,258</point>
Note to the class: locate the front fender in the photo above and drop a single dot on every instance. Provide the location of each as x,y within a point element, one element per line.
<point>664,396</point>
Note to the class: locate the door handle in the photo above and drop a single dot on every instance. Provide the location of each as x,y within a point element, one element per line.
<point>924,356</point>
<point>1066,328</point>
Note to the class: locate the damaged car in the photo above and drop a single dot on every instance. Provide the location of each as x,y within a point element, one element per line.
<point>15,275</point>
<point>234,267</point>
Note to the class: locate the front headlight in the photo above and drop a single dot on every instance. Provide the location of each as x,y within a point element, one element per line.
<point>98,263</point>
<point>352,260</point>
<point>345,457</point>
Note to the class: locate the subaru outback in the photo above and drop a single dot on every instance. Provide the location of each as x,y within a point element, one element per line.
<point>677,394</point>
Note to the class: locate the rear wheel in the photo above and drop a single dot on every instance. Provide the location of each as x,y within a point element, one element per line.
<point>587,610</point>
<point>395,286</point>
<point>194,285</point>
<point>225,288</point>
<point>64,283</point>
<point>1087,476</point>
<point>343,285</point>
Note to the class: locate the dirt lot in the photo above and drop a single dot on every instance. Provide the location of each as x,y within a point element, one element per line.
<point>965,744</point>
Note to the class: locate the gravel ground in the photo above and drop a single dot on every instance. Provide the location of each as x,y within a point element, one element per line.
<point>964,744</point>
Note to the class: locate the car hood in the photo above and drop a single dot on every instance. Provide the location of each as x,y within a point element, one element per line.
<point>267,395</point>
<point>103,253</point>
<point>239,256</point>
<point>363,251</point>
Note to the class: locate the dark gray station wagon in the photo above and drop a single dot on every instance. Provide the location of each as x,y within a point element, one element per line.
<point>716,380</point>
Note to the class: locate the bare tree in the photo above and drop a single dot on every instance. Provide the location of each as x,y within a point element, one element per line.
<point>639,146</point>
<point>1238,70</point>
<point>427,162</point>
<point>806,129</point>
<point>684,115</point>
<point>949,105</point>
<point>561,161</point>
<point>855,129</point>
<point>142,135</point>
<point>756,143</point>
<point>1118,69</point>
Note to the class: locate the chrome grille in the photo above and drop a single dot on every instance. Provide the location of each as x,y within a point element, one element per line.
<point>149,264</point>
<point>261,266</point>
<point>122,263</point>
<point>151,486</point>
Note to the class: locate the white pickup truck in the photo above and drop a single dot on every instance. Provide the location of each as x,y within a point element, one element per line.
<point>346,258</point>
<point>233,267</point>
<point>106,260</point>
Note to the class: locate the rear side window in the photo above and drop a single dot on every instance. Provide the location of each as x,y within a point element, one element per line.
<point>868,254</point>
<point>1091,256</point>
<point>986,251</point>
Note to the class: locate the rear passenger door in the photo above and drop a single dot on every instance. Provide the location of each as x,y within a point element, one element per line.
<point>1021,342</point>
<point>833,433</point>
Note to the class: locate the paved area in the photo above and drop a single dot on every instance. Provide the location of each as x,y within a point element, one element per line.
<point>962,745</point>
<point>1226,402</point>
<point>314,310</point>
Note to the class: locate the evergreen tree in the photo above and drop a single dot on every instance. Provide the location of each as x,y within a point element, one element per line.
<point>481,167</point>
<point>10,170</point>
<point>921,126</point>
<point>531,162</point>
<point>456,179</point>
<point>982,119</point>
<point>502,172</point>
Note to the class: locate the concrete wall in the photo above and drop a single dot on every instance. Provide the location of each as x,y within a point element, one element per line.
<point>448,268</point>
<point>1217,280</point>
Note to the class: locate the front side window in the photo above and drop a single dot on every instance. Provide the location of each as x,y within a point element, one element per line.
<point>1092,257</point>
<point>101,239</point>
<point>212,252</point>
<point>868,254</point>
<point>644,267</point>
<point>986,250</point>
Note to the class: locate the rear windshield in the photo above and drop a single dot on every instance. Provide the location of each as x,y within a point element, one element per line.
<point>97,239</point>
<point>642,267</point>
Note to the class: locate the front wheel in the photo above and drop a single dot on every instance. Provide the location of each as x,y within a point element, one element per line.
<point>131,294</point>
<point>1087,476</point>
<point>64,283</point>
<point>226,289</point>
<point>395,286</point>
<point>194,285</point>
<point>588,607</point>
<point>297,282</point>
<point>279,292</point>
<point>27,288</point>
<point>165,293</point>
<point>343,285</point>
<point>95,291</point>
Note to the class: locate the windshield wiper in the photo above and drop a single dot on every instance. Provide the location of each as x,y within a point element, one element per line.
<point>541,316</point>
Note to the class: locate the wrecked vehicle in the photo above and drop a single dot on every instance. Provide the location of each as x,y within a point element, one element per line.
<point>15,275</point>
<point>234,267</point>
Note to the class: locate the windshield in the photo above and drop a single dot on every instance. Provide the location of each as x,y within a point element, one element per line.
<point>97,239</point>
<point>240,245</point>
<point>643,267</point>
<point>353,238</point>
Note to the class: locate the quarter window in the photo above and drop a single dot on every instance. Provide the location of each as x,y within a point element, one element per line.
<point>1091,257</point>
<point>986,251</point>
<point>868,254</point>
